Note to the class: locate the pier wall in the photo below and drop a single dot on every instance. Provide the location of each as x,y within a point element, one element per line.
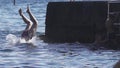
<point>114,6</point>
<point>75,21</point>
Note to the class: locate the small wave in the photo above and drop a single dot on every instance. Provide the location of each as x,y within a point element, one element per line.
<point>13,40</point>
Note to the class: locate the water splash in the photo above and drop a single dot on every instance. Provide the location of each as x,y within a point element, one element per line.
<point>33,40</point>
<point>13,40</point>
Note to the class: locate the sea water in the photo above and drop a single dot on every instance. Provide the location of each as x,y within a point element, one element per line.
<point>17,53</point>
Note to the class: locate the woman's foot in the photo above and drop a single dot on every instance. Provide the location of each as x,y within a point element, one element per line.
<point>20,12</point>
<point>28,9</point>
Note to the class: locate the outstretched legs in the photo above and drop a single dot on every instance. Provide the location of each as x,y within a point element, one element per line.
<point>26,20</point>
<point>31,27</point>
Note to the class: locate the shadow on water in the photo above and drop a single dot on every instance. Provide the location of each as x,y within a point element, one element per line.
<point>68,49</point>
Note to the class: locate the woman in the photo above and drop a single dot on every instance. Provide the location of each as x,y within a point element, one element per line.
<point>31,27</point>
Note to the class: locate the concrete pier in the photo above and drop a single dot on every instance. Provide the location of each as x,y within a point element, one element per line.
<point>75,21</point>
<point>115,11</point>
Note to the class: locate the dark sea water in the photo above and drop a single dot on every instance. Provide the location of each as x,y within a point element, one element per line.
<point>14,53</point>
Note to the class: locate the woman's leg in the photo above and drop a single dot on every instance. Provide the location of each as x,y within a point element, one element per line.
<point>32,18</point>
<point>26,20</point>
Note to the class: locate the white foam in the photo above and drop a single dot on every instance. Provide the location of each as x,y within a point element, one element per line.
<point>13,40</point>
<point>33,40</point>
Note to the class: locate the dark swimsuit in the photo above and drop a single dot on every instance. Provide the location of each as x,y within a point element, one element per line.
<point>28,34</point>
